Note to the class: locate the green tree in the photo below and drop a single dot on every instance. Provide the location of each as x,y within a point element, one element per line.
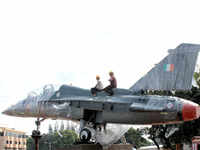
<point>62,126</point>
<point>30,144</point>
<point>197,77</point>
<point>135,137</point>
<point>54,140</point>
<point>63,138</point>
<point>50,130</point>
<point>45,141</point>
<point>56,127</point>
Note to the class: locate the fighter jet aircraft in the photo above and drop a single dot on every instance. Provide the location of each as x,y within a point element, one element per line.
<point>126,106</point>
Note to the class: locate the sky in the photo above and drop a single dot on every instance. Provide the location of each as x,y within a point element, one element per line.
<point>70,42</point>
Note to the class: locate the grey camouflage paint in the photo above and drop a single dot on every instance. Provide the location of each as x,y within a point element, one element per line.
<point>124,107</point>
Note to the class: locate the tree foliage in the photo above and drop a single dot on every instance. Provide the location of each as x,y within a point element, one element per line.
<point>54,139</point>
<point>135,137</point>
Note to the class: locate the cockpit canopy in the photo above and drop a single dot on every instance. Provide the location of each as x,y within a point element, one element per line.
<point>44,93</point>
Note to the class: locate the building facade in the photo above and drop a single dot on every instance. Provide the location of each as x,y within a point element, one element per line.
<point>11,139</point>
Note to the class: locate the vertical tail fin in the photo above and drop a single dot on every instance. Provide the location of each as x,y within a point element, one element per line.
<point>174,72</point>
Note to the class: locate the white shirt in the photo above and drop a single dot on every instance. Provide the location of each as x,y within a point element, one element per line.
<point>99,85</point>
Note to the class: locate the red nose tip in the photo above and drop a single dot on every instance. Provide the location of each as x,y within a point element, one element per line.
<point>190,111</point>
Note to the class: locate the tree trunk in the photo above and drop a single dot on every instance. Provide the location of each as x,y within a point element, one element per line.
<point>155,142</point>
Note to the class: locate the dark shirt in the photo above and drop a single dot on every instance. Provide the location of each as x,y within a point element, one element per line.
<point>113,82</point>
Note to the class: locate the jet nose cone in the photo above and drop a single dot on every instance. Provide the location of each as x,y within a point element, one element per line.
<point>8,111</point>
<point>190,111</point>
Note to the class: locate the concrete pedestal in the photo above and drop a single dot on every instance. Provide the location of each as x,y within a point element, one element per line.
<point>98,147</point>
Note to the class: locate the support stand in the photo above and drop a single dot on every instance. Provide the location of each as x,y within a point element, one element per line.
<point>36,135</point>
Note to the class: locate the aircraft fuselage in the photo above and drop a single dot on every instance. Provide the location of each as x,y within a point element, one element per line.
<point>120,108</point>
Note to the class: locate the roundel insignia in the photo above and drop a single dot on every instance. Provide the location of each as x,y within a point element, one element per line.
<point>170,105</point>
